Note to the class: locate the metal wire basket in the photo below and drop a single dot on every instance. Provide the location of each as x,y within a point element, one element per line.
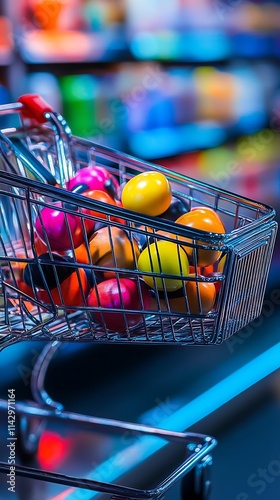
<point>44,292</point>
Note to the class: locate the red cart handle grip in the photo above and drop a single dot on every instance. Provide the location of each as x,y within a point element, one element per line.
<point>34,107</point>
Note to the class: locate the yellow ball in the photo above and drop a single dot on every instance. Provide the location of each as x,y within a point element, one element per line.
<point>163,258</point>
<point>148,193</point>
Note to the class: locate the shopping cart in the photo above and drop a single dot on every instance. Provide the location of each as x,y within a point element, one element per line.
<point>39,157</point>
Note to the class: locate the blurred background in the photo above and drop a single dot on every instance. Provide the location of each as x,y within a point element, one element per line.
<point>193,85</point>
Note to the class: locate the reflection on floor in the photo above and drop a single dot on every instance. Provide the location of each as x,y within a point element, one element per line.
<point>150,384</point>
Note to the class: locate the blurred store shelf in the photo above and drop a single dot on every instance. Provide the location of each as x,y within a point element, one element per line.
<point>193,86</point>
<point>6,41</point>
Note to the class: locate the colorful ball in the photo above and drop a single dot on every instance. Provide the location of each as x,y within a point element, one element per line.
<point>164,257</point>
<point>94,177</point>
<point>205,219</point>
<point>148,193</point>
<point>104,197</point>
<point>177,207</point>
<point>49,272</point>
<point>123,293</point>
<point>114,248</point>
<point>72,292</point>
<point>198,297</point>
<point>62,230</point>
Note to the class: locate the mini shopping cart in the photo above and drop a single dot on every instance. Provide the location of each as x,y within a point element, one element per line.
<point>38,158</point>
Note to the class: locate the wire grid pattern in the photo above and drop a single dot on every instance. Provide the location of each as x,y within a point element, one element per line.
<point>247,245</point>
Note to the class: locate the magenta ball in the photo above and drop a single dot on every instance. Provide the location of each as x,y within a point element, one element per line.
<point>119,294</point>
<point>52,226</point>
<point>95,177</point>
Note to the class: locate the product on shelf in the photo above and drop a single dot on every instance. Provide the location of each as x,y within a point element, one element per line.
<point>80,98</point>
<point>202,31</point>
<point>154,111</point>
<point>6,40</point>
<point>69,31</point>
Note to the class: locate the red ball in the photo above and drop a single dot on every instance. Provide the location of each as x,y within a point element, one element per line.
<point>123,294</point>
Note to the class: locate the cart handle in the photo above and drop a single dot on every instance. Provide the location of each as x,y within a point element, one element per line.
<point>31,106</point>
<point>34,107</point>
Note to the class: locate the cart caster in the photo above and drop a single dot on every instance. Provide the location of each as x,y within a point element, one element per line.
<point>196,485</point>
<point>30,427</point>
<point>28,436</point>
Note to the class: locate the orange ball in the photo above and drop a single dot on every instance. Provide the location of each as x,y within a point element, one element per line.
<point>205,219</point>
<point>197,298</point>
<point>74,290</point>
<point>104,197</point>
<point>40,246</point>
<point>80,253</point>
<point>112,247</point>
<point>23,287</point>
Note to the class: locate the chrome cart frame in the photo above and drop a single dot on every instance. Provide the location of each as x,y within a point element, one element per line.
<point>38,158</point>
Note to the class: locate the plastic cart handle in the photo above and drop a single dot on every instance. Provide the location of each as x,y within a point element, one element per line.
<point>34,107</point>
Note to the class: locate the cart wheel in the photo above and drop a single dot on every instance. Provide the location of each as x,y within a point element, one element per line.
<point>29,432</point>
<point>196,485</point>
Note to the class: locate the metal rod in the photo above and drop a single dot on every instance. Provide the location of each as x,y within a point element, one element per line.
<point>103,423</point>
<point>38,375</point>
<point>131,493</point>
<point>7,108</point>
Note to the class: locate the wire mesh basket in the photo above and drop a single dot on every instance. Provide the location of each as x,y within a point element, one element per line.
<point>70,263</point>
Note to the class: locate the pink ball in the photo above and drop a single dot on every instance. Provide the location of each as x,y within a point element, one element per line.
<point>52,226</point>
<point>95,177</point>
<point>119,294</point>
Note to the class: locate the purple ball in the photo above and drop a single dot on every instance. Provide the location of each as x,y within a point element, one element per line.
<point>52,226</point>
<point>94,177</point>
